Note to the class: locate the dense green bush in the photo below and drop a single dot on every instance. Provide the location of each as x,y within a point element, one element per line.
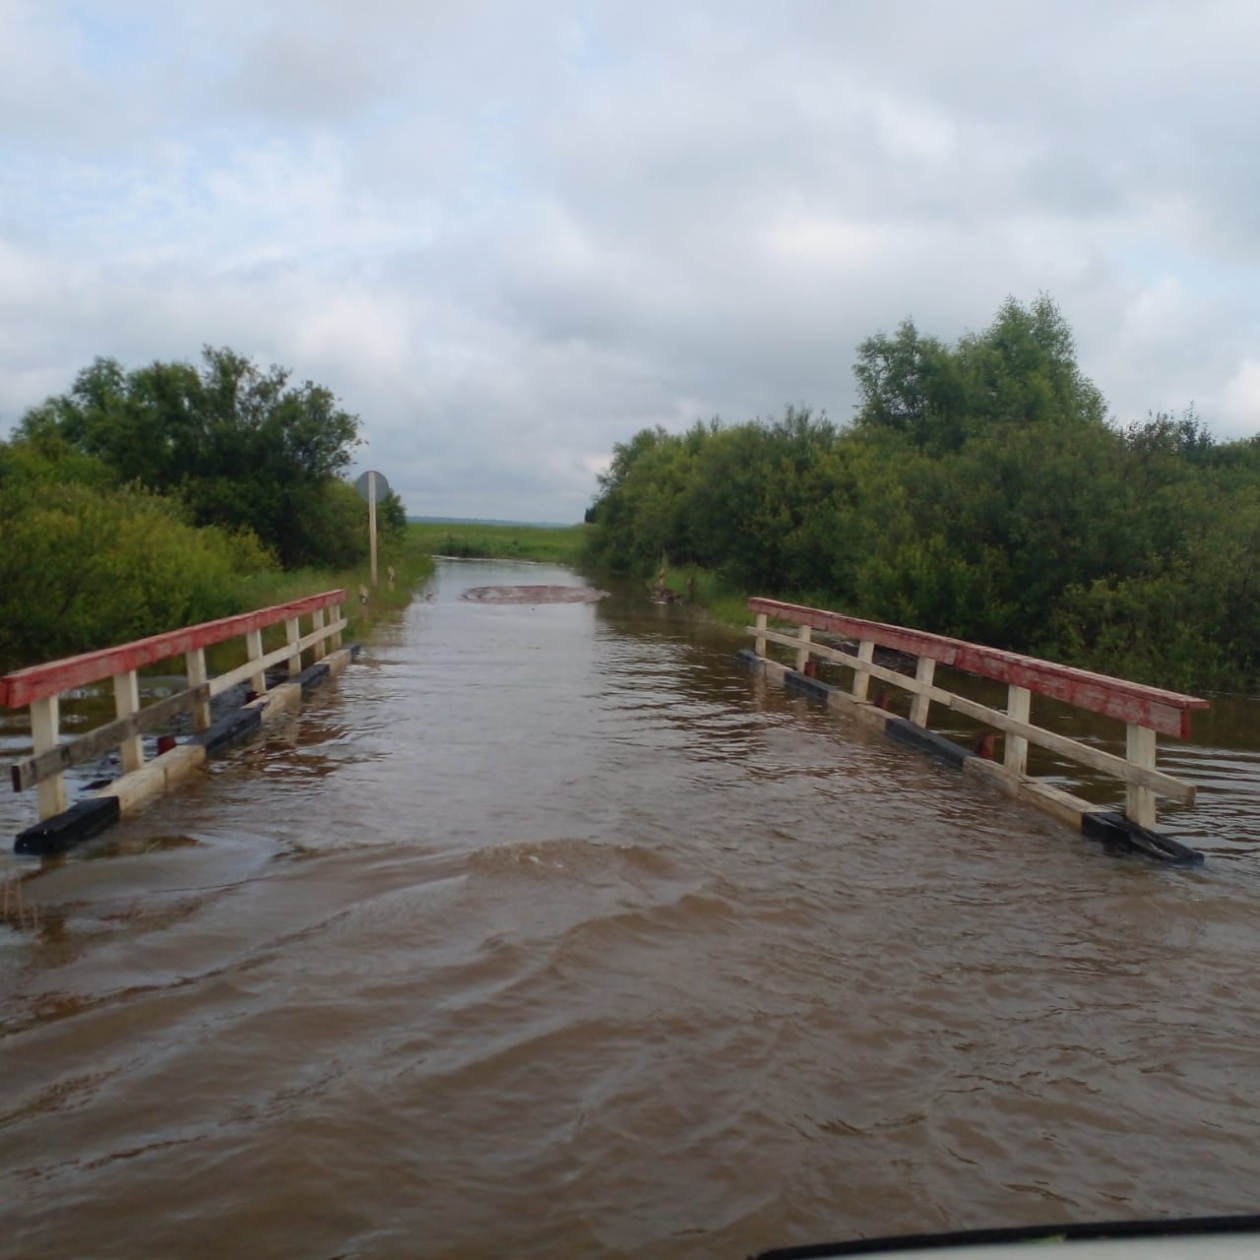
<point>979,492</point>
<point>141,501</point>
<point>242,447</point>
<point>82,567</point>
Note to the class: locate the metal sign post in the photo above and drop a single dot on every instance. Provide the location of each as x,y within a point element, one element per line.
<point>373,487</point>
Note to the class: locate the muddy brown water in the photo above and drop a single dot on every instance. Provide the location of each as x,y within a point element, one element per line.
<point>547,932</point>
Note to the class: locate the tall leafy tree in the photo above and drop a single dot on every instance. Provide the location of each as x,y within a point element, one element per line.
<point>1020,371</point>
<point>981,491</point>
<point>242,446</point>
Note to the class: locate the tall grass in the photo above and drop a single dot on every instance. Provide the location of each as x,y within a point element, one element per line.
<point>724,600</point>
<point>411,564</point>
<point>553,544</point>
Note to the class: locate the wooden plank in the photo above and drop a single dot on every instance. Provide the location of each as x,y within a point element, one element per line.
<point>317,619</point>
<point>293,633</point>
<point>38,768</point>
<point>1085,754</point>
<point>1139,799</point>
<point>1019,709</point>
<point>863,664</point>
<point>195,663</point>
<point>131,791</point>
<point>1053,800</point>
<point>126,703</point>
<point>221,682</point>
<point>923,675</point>
<point>45,719</point>
<point>1167,712</point>
<point>802,652</point>
<point>20,688</point>
<point>254,650</point>
<point>85,818</point>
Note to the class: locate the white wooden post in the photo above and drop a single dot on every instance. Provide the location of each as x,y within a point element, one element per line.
<point>337,614</point>
<point>195,664</point>
<point>802,652</point>
<point>1019,707</point>
<point>291,636</point>
<point>759,642</point>
<point>127,702</point>
<point>1140,751</point>
<point>372,521</point>
<point>924,672</point>
<point>317,623</point>
<point>253,649</point>
<point>861,679</point>
<point>45,719</point>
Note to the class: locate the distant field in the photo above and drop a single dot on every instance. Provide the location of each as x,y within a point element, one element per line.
<point>556,544</point>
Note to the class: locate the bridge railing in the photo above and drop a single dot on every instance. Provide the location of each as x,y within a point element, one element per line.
<point>41,686</point>
<point>1146,711</point>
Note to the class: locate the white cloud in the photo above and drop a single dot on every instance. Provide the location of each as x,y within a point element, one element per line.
<point>510,235</point>
<point>1240,398</point>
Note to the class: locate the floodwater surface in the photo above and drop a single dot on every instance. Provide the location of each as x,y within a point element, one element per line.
<point>546,931</point>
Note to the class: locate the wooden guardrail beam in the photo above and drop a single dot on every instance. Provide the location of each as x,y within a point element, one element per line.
<point>41,687</point>
<point>1146,711</point>
<point>1107,763</point>
<point>32,770</point>
<point>40,681</point>
<point>1167,712</point>
<point>257,666</point>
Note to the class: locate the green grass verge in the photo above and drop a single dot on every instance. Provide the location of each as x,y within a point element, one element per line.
<point>724,601</point>
<point>554,544</point>
<point>411,564</point>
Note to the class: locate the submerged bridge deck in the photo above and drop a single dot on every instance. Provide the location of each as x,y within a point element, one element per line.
<point>851,643</point>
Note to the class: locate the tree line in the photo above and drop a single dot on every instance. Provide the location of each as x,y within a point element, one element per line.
<point>980,491</point>
<point>142,500</point>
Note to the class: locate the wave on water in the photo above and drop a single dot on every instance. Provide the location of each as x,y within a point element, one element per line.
<point>572,858</point>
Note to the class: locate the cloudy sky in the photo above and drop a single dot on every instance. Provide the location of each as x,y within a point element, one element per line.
<point>510,233</point>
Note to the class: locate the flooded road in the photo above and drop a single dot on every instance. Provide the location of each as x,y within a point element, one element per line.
<point>548,932</point>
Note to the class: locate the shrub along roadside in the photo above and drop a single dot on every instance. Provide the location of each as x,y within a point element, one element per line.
<point>241,446</point>
<point>83,568</point>
<point>979,492</point>
<point>143,501</point>
<point>1019,546</point>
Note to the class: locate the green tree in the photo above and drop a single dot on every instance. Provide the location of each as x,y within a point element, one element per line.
<point>243,447</point>
<point>980,492</point>
<point>1020,371</point>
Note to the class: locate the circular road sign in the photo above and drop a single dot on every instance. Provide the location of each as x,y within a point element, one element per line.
<point>382,486</point>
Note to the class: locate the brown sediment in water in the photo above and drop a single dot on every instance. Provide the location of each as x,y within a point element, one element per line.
<point>560,936</point>
<point>533,595</point>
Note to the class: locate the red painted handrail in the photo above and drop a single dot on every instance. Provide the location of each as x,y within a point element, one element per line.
<point>38,681</point>
<point>1165,711</point>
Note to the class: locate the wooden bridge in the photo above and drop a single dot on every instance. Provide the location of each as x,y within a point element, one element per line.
<point>850,644</point>
<point>41,687</point>
<point>1146,713</point>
